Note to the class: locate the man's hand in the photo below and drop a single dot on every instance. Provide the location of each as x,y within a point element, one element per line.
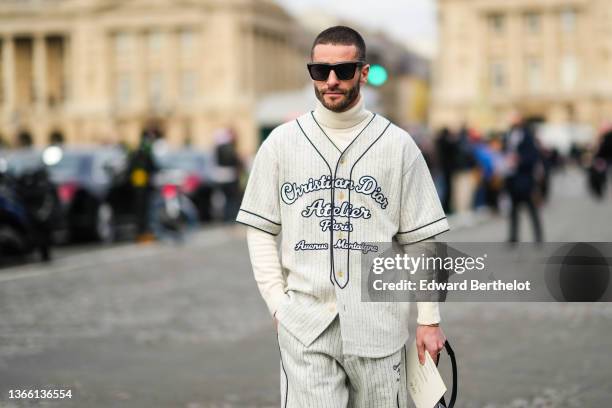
<point>431,339</point>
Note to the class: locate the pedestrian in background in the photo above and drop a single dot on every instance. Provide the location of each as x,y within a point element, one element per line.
<point>229,168</point>
<point>141,169</point>
<point>522,157</point>
<point>601,163</point>
<point>484,158</point>
<point>465,179</point>
<point>496,184</point>
<point>447,147</point>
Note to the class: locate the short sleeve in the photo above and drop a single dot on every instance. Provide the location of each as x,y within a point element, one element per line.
<point>421,213</point>
<point>260,205</point>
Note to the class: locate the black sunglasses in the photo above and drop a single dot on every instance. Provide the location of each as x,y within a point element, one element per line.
<point>344,70</point>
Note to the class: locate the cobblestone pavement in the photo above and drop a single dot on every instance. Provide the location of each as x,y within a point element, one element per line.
<point>183,326</point>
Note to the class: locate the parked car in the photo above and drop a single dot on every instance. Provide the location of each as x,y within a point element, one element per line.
<point>95,198</point>
<point>194,172</point>
<point>95,194</point>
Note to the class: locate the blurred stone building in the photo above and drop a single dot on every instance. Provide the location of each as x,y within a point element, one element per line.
<point>101,70</point>
<point>550,59</point>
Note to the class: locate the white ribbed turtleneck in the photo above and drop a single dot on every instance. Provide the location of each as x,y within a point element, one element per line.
<point>342,127</point>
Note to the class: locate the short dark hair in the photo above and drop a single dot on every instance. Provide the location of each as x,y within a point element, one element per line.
<point>341,35</point>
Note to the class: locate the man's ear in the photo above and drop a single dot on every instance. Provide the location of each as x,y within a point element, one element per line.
<point>365,70</point>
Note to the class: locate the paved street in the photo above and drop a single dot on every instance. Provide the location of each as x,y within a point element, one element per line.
<point>165,326</point>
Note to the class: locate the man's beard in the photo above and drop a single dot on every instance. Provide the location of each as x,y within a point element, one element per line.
<point>350,94</point>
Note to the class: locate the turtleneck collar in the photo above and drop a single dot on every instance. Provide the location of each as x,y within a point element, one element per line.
<point>341,120</point>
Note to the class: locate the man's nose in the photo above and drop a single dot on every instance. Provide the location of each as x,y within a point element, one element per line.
<point>332,79</point>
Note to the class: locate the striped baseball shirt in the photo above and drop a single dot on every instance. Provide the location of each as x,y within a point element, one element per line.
<point>329,203</point>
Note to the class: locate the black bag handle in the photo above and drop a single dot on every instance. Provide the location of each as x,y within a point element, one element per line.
<point>451,354</point>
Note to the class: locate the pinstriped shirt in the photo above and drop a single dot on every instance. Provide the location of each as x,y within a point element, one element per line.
<point>329,204</point>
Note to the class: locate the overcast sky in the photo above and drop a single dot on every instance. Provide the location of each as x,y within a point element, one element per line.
<point>410,21</point>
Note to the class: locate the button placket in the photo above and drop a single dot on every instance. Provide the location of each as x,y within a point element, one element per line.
<point>340,255</point>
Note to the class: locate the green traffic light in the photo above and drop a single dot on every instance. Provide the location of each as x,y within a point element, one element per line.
<point>378,75</point>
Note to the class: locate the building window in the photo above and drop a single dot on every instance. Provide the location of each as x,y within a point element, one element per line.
<point>187,42</point>
<point>568,20</point>
<point>569,72</point>
<point>123,89</point>
<point>189,85</point>
<point>532,22</point>
<point>534,74</point>
<point>498,75</point>
<point>124,44</point>
<point>497,23</point>
<point>155,40</point>
<point>155,89</point>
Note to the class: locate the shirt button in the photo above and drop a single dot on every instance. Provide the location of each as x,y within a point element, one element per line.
<point>342,160</point>
<point>340,235</point>
<point>341,196</point>
<point>341,274</point>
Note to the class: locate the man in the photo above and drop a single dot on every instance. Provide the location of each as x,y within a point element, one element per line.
<point>523,158</point>
<point>229,169</point>
<point>332,179</point>
<point>141,169</point>
<point>447,149</point>
<point>602,163</point>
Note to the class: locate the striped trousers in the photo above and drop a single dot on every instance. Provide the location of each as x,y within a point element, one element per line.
<point>321,376</point>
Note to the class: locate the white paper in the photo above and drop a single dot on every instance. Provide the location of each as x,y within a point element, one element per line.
<point>425,385</point>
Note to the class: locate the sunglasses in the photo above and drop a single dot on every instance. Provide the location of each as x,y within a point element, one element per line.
<point>344,70</point>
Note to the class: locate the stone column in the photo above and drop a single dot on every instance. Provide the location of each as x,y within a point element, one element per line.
<point>8,74</point>
<point>249,63</point>
<point>66,89</point>
<point>141,74</point>
<point>171,72</point>
<point>40,72</point>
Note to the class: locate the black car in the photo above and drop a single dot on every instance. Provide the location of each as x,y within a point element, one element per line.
<point>94,192</point>
<point>95,199</point>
